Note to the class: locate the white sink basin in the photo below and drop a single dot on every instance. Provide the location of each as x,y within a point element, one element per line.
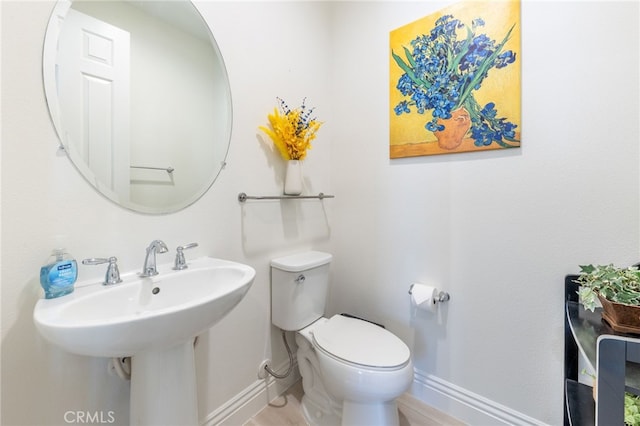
<point>154,321</point>
<point>142,314</point>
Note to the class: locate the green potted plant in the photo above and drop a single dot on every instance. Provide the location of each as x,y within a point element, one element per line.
<point>617,289</point>
<point>631,409</point>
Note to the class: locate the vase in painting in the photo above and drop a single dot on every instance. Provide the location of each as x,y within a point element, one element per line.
<point>454,130</point>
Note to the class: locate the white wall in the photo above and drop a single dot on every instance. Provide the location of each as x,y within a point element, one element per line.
<point>497,230</point>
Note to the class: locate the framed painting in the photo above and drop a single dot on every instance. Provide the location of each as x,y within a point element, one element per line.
<point>455,81</point>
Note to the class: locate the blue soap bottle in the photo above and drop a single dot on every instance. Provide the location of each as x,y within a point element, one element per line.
<point>59,274</point>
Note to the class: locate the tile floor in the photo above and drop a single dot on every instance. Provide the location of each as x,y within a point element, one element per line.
<point>285,411</point>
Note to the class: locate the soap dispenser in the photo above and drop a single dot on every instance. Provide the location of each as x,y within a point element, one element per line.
<point>59,274</point>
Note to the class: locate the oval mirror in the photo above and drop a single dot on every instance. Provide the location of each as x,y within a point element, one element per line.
<point>140,99</point>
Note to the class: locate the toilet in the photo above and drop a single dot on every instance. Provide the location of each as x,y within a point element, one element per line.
<point>352,370</point>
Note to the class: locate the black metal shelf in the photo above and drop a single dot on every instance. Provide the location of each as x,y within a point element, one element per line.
<point>614,356</point>
<point>587,327</point>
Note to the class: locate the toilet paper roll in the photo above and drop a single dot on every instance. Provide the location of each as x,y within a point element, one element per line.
<point>424,297</point>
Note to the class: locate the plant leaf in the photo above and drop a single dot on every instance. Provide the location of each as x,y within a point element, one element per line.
<point>407,69</point>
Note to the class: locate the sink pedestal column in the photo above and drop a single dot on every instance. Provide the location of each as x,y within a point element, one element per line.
<point>163,387</point>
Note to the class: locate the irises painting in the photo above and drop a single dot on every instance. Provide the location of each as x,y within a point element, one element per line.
<point>455,81</point>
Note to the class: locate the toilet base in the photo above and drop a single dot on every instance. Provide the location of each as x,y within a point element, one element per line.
<point>368,414</point>
<point>317,415</point>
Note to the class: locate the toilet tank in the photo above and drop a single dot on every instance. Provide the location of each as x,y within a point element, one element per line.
<point>299,285</point>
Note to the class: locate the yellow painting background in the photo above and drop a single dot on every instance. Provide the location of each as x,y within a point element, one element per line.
<point>501,86</point>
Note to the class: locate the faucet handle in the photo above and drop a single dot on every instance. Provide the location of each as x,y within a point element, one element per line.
<point>113,273</point>
<point>181,262</point>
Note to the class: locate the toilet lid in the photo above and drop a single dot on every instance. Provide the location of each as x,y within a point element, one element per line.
<point>361,342</point>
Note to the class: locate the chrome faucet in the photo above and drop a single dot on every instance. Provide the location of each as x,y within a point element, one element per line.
<point>149,268</point>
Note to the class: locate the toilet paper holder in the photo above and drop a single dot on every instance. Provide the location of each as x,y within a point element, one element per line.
<point>442,295</point>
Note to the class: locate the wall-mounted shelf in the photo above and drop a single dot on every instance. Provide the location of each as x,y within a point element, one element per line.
<point>242,197</point>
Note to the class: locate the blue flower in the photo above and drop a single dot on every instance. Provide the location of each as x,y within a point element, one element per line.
<point>402,107</point>
<point>487,128</point>
<point>405,85</point>
<point>482,135</point>
<point>505,58</point>
<point>489,111</point>
<point>478,22</point>
<point>433,126</point>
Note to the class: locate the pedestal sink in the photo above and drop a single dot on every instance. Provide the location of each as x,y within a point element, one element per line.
<point>154,321</point>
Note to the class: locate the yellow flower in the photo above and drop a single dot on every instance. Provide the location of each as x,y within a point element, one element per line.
<point>292,130</point>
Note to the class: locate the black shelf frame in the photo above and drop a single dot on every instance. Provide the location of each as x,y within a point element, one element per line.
<point>579,407</point>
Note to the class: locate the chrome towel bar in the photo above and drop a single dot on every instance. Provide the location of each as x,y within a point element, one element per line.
<point>242,197</point>
<point>166,169</point>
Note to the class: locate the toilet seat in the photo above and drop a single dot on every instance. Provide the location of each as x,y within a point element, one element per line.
<point>359,342</point>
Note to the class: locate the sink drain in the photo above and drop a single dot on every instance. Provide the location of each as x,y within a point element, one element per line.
<point>155,290</point>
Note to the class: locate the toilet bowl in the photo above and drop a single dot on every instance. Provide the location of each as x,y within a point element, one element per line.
<point>352,370</point>
<point>361,365</point>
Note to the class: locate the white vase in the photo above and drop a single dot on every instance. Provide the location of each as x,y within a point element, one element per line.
<point>293,178</point>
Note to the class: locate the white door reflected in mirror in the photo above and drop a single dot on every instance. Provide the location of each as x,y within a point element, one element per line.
<point>93,92</point>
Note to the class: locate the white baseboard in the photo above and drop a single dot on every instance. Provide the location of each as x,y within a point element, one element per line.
<point>464,405</point>
<point>242,407</point>
<point>451,399</point>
